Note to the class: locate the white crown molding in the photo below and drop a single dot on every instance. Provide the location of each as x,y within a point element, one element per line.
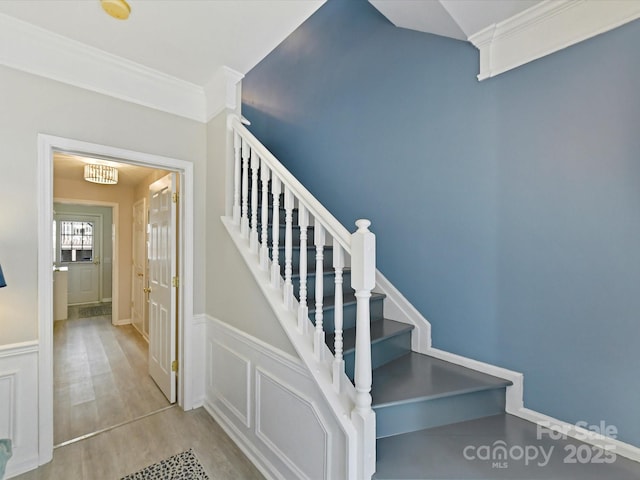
<point>41,52</point>
<point>546,28</point>
<point>222,91</point>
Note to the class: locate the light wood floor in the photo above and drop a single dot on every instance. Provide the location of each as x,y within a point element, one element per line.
<point>100,377</point>
<point>129,448</point>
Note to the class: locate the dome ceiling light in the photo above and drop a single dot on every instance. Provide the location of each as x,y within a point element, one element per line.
<point>116,8</point>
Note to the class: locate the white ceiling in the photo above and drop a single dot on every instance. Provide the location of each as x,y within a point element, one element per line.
<point>187,39</point>
<point>192,39</point>
<point>450,18</point>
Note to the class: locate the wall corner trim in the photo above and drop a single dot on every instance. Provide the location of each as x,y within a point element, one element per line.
<point>546,28</point>
<point>222,91</point>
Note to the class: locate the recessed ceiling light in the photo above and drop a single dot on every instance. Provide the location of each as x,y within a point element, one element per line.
<point>116,8</point>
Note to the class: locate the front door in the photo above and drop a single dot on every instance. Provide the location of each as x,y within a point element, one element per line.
<point>162,292</point>
<point>78,248</point>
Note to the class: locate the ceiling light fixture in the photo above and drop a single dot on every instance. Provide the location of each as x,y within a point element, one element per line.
<point>103,174</point>
<point>116,8</point>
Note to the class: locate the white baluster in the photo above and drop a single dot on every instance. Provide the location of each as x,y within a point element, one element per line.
<point>275,226</point>
<point>244,219</point>
<point>303,309</point>
<point>363,279</point>
<point>318,339</point>
<point>253,236</point>
<point>237,143</point>
<point>338,361</point>
<point>264,243</point>
<point>288,247</point>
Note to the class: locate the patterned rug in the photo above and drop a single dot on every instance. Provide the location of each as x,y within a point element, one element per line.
<point>183,466</point>
<point>95,310</point>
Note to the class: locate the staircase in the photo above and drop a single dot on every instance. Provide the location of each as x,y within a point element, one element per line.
<point>314,263</point>
<point>410,391</point>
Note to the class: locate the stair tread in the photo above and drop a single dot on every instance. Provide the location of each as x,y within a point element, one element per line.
<point>417,376</point>
<point>380,329</point>
<point>328,302</point>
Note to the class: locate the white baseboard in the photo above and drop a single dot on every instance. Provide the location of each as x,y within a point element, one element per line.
<point>398,308</point>
<point>122,321</point>
<point>258,460</point>
<point>24,465</point>
<point>578,433</point>
<point>515,406</point>
<point>145,337</point>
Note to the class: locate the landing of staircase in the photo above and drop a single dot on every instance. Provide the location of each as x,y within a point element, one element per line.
<point>439,453</point>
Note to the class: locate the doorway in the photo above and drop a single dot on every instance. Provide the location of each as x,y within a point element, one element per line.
<point>79,249</point>
<point>102,362</point>
<point>48,147</point>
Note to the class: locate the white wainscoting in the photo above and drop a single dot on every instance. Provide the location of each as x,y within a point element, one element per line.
<point>19,404</point>
<point>269,404</point>
<point>198,345</point>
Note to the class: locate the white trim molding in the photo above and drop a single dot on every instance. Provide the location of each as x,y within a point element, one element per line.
<point>47,54</point>
<point>577,432</point>
<point>122,321</point>
<point>19,400</point>
<point>47,146</point>
<point>398,308</point>
<point>296,404</point>
<point>546,28</point>
<point>198,355</point>
<point>270,384</point>
<point>223,91</point>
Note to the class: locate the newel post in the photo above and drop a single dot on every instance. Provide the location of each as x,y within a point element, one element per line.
<point>363,279</point>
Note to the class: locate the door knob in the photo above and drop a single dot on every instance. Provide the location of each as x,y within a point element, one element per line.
<point>147,290</point>
<point>141,275</point>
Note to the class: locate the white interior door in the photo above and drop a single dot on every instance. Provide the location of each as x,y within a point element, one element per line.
<point>78,247</point>
<point>139,269</point>
<point>162,294</point>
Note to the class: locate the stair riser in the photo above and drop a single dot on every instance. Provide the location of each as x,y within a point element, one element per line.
<point>349,315</point>
<point>421,414</point>
<point>382,352</point>
<point>328,283</point>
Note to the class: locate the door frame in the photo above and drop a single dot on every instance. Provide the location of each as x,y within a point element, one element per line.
<point>133,246</point>
<point>47,146</point>
<point>115,269</point>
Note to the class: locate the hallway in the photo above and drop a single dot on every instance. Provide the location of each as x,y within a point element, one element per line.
<point>100,377</point>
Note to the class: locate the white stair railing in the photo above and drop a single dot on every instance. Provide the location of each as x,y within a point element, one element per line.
<point>252,162</point>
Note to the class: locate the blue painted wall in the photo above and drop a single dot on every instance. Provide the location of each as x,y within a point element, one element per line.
<point>506,210</point>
